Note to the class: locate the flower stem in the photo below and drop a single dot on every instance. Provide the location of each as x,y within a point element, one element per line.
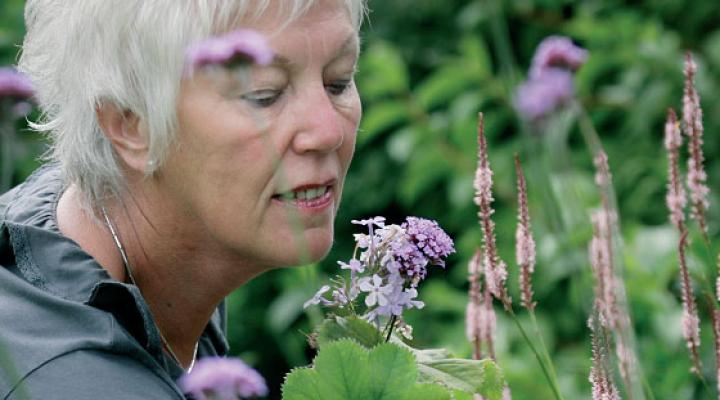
<point>551,379</point>
<point>390,327</point>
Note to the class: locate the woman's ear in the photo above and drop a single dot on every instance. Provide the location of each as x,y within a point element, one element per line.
<point>127,134</point>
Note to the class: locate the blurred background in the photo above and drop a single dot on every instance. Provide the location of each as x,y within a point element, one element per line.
<point>428,67</point>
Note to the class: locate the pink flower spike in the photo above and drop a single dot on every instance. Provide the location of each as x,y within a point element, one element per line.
<point>495,269</point>
<point>223,379</point>
<point>243,45</point>
<point>692,118</point>
<point>675,197</point>
<point>524,242</point>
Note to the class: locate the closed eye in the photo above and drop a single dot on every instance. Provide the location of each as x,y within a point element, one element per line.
<point>337,88</point>
<point>262,98</point>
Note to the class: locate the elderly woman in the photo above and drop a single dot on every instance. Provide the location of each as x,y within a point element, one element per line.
<point>167,190</point>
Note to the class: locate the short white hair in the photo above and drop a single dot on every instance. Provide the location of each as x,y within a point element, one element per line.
<point>130,53</point>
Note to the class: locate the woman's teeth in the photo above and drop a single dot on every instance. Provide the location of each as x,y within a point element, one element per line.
<point>309,194</point>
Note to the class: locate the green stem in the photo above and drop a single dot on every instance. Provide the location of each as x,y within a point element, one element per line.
<point>550,379</point>
<point>390,328</point>
<point>548,360</point>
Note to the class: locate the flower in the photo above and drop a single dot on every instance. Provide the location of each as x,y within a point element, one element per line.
<point>377,293</point>
<point>540,96</point>
<point>15,84</point>
<point>377,221</point>
<point>550,81</point>
<point>242,45</point>
<point>223,379</point>
<point>557,52</point>
<point>427,236</point>
<point>354,265</point>
<point>318,298</point>
<point>524,242</point>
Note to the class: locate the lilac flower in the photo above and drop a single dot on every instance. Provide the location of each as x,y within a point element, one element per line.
<point>223,379</point>
<point>377,293</point>
<point>238,46</point>
<point>429,238</point>
<point>15,84</point>
<point>557,52</point>
<point>318,298</point>
<point>540,96</point>
<point>354,265</point>
<point>377,221</point>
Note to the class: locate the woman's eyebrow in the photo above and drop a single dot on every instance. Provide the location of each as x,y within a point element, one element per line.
<point>349,46</point>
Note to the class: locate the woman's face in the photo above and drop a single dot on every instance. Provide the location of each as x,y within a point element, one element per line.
<point>259,166</point>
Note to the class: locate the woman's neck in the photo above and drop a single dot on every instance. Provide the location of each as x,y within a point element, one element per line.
<point>181,281</point>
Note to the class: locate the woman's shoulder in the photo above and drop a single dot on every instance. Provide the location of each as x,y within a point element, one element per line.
<point>93,374</point>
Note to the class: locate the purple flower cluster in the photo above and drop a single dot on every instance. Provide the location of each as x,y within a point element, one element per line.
<point>242,46</point>
<point>14,84</point>
<point>223,379</point>
<point>550,84</point>
<point>392,261</point>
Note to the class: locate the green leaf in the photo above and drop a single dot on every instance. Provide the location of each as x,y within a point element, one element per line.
<point>426,391</point>
<point>301,384</point>
<point>380,117</point>
<point>340,371</point>
<point>395,367</point>
<point>345,370</point>
<point>336,328</point>
<point>469,376</point>
<point>383,72</point>
<point>472,376</point>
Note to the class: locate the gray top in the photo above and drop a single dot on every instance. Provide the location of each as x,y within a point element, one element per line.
<point>67,329</point>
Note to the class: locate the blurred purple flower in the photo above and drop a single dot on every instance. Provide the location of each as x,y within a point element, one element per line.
<point>241,45</point>
<point>557,52</point>
<point>223,379</point>
<point>15,84</point>
<point>540,96</point>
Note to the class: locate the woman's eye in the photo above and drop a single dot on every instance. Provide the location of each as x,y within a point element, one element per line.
<point>262,98</point>
<point>339,87</point>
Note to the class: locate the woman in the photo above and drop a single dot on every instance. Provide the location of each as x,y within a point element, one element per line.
<point>168,189</point>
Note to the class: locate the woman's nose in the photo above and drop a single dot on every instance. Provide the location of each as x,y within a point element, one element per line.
<point>319,124</point>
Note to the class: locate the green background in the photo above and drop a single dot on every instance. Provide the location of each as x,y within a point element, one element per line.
<point>427,68</point>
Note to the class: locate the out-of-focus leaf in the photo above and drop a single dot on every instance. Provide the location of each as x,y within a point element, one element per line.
<point>383,72</point>
<point>380,118</point>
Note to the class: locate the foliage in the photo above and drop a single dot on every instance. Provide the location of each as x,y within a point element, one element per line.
<point>344,369</point>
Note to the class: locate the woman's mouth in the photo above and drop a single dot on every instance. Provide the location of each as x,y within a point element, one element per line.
<point>315,198</point>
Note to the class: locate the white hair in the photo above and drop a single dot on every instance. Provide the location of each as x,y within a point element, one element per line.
<point>130,53</point>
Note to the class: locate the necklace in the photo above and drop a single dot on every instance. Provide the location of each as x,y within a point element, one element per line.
<point>128,271</point>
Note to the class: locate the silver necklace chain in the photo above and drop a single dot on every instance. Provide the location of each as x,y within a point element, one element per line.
<point>128,270</point>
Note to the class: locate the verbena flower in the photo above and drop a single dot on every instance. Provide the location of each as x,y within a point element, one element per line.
<point>550,80</point>
<point>14,84</point>
<point>240,46</point>
<point>389,263</point>
<point>557,52</point>
<point>539,97</point>
<point>223,379</point>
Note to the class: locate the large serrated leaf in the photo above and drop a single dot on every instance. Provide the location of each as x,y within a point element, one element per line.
<point>345,370</point>
<point>337,366</point>
<point>391,364</point>
<point>301,384</point>
<point>336,328</point>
